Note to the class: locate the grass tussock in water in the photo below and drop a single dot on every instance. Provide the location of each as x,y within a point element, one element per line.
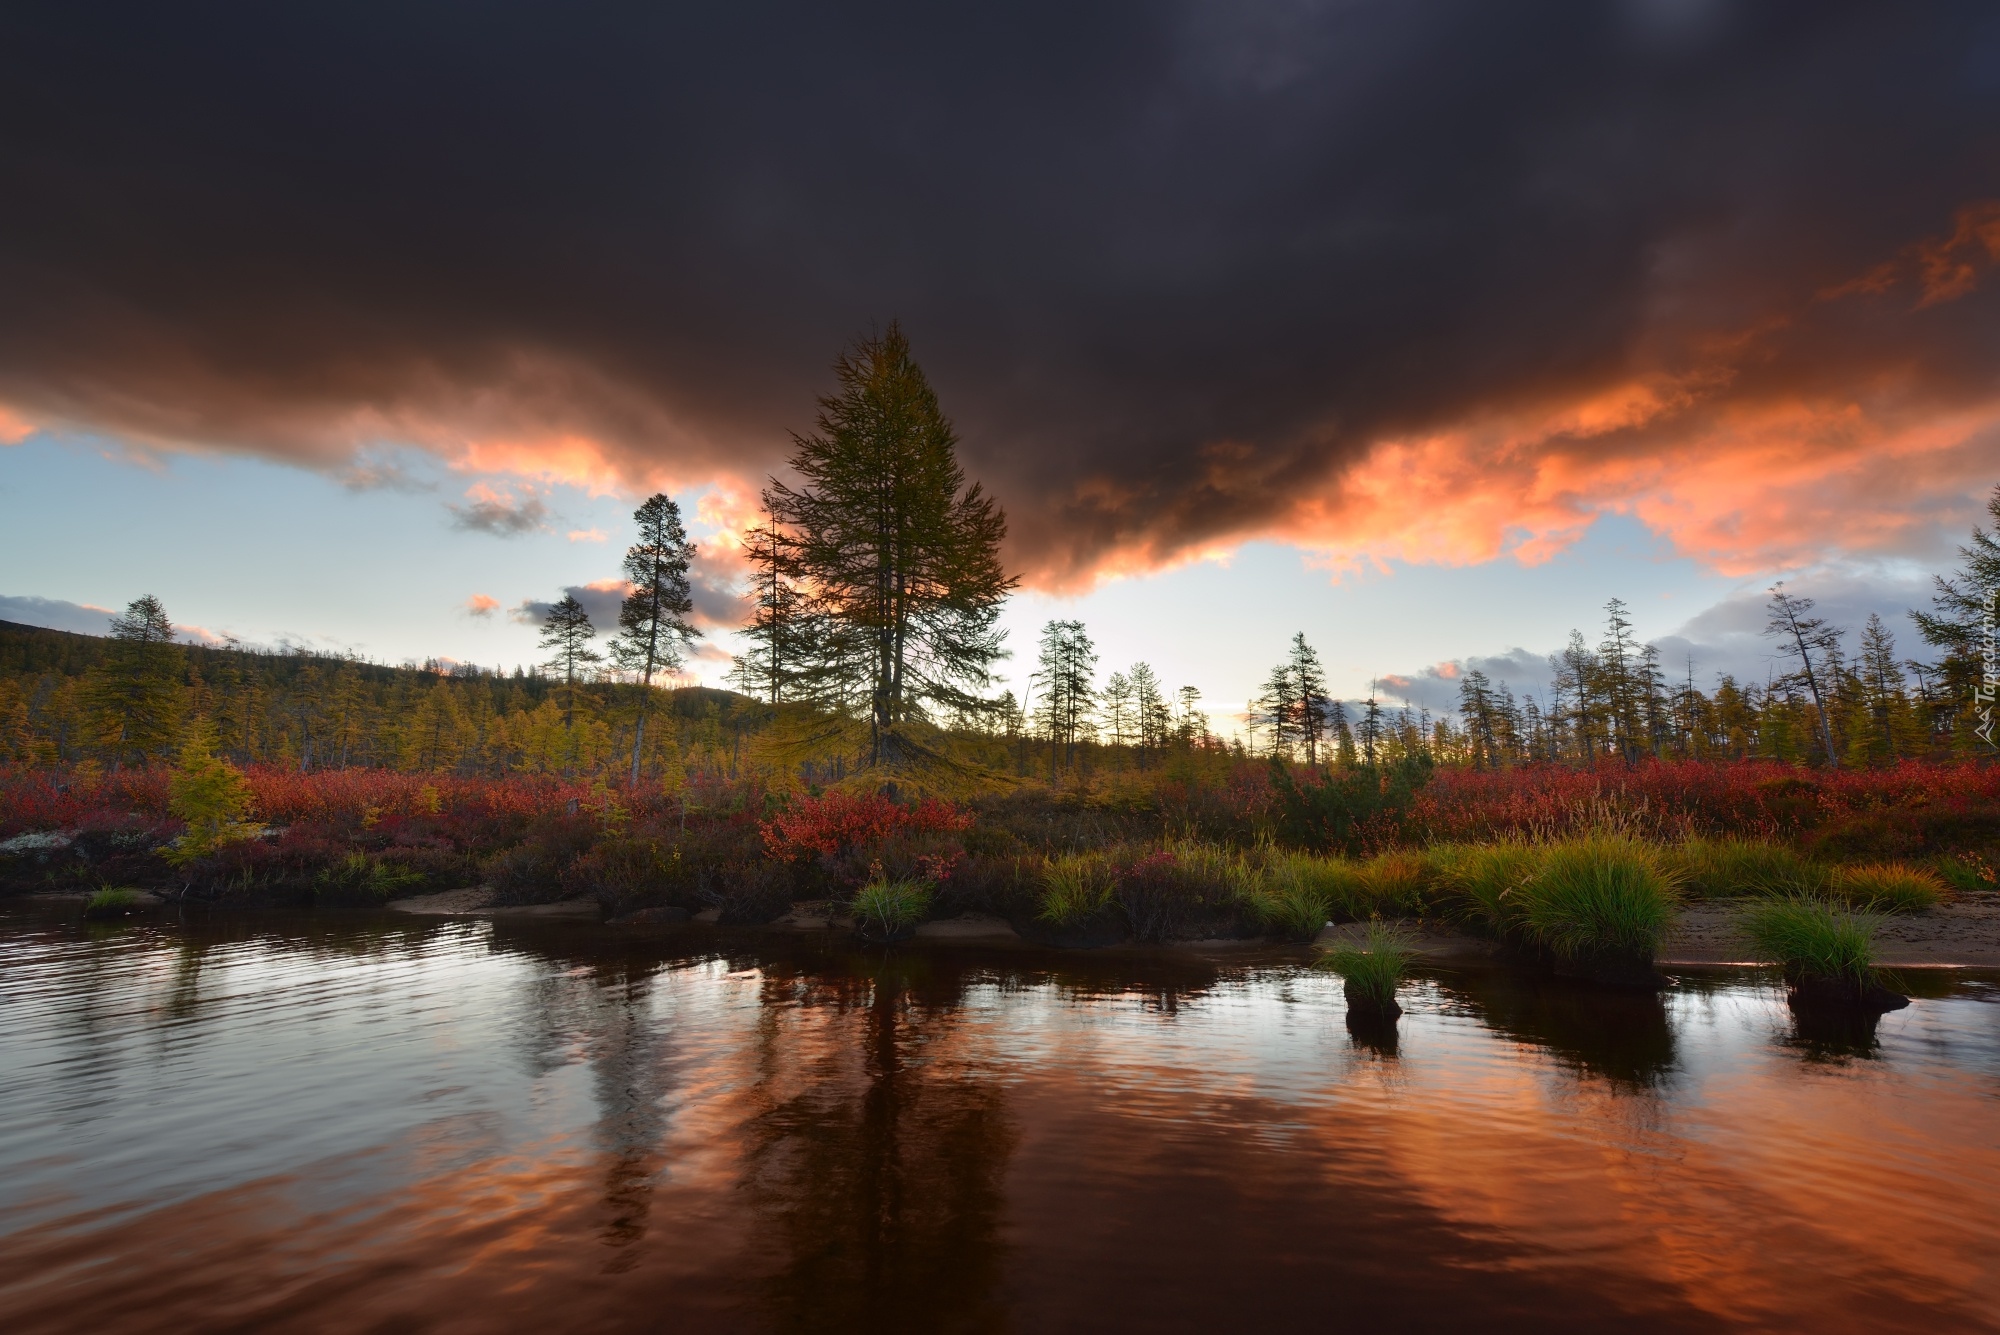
<point>1813,940</point>
<point>889,908</point>
<point>1372,967</point>
<point>1732,868</point>
<point>112,900</point>
<point>1889,887</point>
<point>1601,894</point>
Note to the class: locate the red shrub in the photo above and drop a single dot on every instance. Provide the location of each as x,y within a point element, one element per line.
<point>839,823</point>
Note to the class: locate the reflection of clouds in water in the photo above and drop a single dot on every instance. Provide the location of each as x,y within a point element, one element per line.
<point>514,1123</point>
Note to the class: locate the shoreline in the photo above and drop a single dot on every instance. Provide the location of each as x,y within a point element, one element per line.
<point>1964,934</point>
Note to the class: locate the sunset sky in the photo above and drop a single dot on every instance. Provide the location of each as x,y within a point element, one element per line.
<point>1423,328</point>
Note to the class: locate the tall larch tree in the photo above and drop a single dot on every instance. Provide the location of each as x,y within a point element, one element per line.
<point>566,634</point>
<point>654,622</point>
<point>894,544</point>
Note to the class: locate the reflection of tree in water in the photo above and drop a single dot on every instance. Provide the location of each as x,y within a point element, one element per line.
<point>1620,1034</point>
<point>602,1014</point>
<point>630,1075</point>
<point>876,1170</point>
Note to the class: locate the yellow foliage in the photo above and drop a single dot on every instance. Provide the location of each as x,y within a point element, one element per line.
<point>209,794</point>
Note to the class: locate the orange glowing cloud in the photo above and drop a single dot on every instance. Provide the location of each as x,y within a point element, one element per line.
<point>14,428</point>
<point>481,605</point>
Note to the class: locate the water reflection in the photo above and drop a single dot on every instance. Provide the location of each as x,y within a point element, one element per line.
<point>1621,1034</point>
<point>875,1169</point>
<point>331,1123</point>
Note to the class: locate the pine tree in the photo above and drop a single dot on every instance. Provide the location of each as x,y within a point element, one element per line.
<point>894,545</point>
<point>567,634</point>
<point>654,629</point>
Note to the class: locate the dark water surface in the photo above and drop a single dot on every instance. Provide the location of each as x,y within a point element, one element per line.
<point>355,1124</point>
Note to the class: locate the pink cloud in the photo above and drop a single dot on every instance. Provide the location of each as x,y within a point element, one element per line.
<point>481,605</point>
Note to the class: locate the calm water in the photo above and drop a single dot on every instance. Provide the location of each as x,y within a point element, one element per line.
<point>341,1124</point>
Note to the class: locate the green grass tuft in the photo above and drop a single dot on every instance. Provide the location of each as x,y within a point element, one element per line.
<point>1294,901</point>
<point>1374,966</point>
<point>110,900</point>
<point>890,907</point>
<point>1398,882</point>
<point>358,876</point>
<point>1732,868</point>
<point>1075,887</point>
<point>1889,887</point>
<point>1596,895</point>
<point>1811,939</point>
<point>1483,880</point>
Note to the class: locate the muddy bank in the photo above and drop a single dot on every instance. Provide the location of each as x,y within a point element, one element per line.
<point>1965,932</point>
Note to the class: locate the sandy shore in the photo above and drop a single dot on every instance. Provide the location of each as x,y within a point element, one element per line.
<point>476,901</point>
<point>1963,932</point>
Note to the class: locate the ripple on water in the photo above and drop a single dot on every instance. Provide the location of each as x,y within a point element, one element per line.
<point>352,1123</point>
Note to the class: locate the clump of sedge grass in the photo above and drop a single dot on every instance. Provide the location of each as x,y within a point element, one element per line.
<point>1374,966</point>
<point>358,876</point>
<point>1601,894</point>
<point>1812,940</point>
<point>1481,879</point>
<point>1294,901</point>
<point>111,900</point>
<point>886,908</point>
<point>1222,874</point>
<point>1889,887</point>
<point>1397,882</point>
<point>1075,886</point>
<point>1731,868</point>
<point>1966,872</point>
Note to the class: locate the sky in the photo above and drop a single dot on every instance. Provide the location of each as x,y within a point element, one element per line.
<point>1421,328</point>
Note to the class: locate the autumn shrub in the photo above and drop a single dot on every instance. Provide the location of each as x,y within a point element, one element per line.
<point>836,823</point>
<point>532,871</point>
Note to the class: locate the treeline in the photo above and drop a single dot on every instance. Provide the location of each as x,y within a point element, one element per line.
<point>125,700</point>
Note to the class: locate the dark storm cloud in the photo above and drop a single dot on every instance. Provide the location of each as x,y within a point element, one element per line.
<point>1170,265</point>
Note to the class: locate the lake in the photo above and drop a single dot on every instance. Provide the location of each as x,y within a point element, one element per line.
<point>336,1123</point>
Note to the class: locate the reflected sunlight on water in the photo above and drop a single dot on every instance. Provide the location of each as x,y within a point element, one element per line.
<point>342,1123</point>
